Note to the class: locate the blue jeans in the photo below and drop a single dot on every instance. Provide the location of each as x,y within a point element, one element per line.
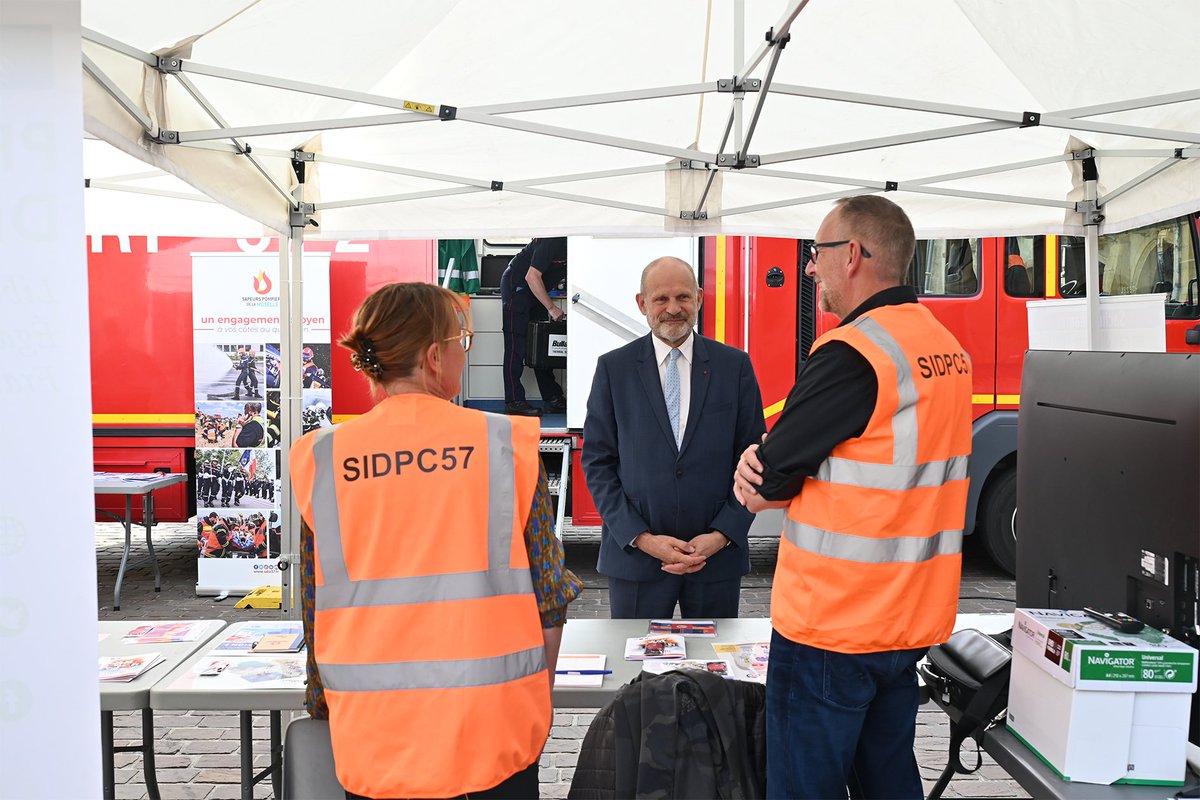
<point>838,722</point>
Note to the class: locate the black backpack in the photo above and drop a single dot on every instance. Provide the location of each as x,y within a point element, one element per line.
<point>968,677</point>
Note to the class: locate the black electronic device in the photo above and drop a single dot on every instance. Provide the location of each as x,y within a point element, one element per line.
<point>1115,619</point>
<point>491,267</point>
<point>1108,512</point>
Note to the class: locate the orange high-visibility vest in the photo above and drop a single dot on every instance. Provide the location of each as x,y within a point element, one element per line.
<point>212,545</point>
<point>427,636</point>
<point>871,552</point>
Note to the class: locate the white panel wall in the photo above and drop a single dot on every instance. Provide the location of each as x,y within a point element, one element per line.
<point>49,700</point>
<point>609,270</point>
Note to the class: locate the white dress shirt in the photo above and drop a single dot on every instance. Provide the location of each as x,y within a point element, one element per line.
<point>684,364</point>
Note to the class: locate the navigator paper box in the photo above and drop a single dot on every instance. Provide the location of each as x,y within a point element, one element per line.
<point>1098,705</point>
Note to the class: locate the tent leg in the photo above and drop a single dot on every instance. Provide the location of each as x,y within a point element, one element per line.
<point>1092,217</point>
<point>291,303</point>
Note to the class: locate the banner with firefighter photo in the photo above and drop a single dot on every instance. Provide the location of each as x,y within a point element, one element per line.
<point>235,336</point>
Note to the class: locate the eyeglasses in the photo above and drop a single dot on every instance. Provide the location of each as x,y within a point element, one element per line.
<point>464,338</point>
<point>816,246</point>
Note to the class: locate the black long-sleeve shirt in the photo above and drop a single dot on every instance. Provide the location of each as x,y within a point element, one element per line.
<point>832,401</point>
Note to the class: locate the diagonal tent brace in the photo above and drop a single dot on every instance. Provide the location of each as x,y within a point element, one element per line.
<point>1176,158</point>
<point>777,43</point>
<point>124,100</point>
<point>241,147</point>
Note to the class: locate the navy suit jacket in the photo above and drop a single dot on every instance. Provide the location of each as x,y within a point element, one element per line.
<point>641,481</point>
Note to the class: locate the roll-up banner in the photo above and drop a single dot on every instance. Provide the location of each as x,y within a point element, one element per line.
<point>235,334</point>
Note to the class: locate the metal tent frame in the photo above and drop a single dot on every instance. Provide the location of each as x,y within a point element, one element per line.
<point>699,211</point>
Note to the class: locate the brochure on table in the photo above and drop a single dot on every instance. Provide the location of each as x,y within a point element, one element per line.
<point>580,670</point>
<point>716,666</point>
<point>235,663</point>
<point>748,660</point>
<point>165,632</point>
<point>122,669</point>
<point>700,628</point>
<point>660,646</point>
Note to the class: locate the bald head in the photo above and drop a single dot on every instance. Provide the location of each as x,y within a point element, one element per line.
<point>883,228</point>
<point>670,299</point>
<point>667,266</point>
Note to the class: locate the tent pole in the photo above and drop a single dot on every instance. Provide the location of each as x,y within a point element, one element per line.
<point>1092,217</point>
<point>291,304</point>
<point>739,58</point>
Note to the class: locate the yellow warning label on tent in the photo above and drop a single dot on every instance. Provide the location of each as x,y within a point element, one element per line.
<point>424,108</point>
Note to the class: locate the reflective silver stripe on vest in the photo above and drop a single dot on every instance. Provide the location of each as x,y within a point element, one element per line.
<point>904,421</point>
<point>452,674</point>
<point>338,591</point>
<point>895,477</point>
<point>869,550</point>
<point>502,492</point>
<point>325,510</point>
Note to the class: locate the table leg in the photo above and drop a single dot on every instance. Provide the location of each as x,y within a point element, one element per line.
<point>247,730</point>
<point>106,755</point>
<point>277,753</point>
<point>148,521</point>
<point>128,521</point>
<point>148,754</point>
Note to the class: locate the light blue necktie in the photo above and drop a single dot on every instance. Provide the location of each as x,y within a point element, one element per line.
<point>671,391</point>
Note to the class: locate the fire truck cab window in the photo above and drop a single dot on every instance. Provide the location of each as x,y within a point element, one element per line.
<point>1156,259</point>
<point>1025,266</point>
<point>945,267</point>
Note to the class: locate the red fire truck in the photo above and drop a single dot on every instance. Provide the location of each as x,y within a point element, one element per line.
<point>757,298</point>
<point>140,299</point>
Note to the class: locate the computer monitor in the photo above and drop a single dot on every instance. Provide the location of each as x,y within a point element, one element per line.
<point>1108,487</point>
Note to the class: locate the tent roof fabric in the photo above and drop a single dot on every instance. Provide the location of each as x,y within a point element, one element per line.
<point>473,118</point>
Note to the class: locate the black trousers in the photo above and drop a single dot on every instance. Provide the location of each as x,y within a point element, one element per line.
<point>656,599</point>
<point>520,307</point>
<point>521,786</point>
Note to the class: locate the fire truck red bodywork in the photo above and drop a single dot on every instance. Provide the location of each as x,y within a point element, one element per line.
<point>140,300</point>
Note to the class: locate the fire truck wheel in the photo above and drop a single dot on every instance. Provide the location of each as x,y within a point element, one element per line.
<point>998,517</point>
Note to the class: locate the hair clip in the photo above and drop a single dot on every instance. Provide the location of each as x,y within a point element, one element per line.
<point>366,360</point>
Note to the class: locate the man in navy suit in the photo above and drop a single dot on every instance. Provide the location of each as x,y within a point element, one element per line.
<point>668,416</point>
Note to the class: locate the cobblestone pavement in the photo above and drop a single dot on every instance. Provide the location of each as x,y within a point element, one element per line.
<point>197,752</point>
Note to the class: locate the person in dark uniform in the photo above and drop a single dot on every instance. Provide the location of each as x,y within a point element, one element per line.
<point>226,485</point>
<point>239,486</point>
<point>246,374</point>
<point>525,297</point>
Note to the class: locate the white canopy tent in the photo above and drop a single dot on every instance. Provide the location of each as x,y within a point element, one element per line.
<point>611,118</point>
<point>466,118</point>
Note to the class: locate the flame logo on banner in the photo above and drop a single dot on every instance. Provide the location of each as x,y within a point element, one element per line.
<point>262,284</point>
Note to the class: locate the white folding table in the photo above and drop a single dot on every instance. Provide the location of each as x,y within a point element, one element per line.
<point>184,689</point>
<point>134,695</point>
<point>130,484</point>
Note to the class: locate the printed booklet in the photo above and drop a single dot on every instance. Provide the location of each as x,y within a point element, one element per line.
<point>704,628</point>
<point>747,659</point>
<point>279,643</point>
<point>661,646</point>
<point>165,632</point>
<point>242,642</point>
<point>270,672</point>
<point>716,666</point>
<point>121,669</point>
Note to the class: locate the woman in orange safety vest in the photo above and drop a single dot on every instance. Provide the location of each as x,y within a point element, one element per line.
<point>439,598</point>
